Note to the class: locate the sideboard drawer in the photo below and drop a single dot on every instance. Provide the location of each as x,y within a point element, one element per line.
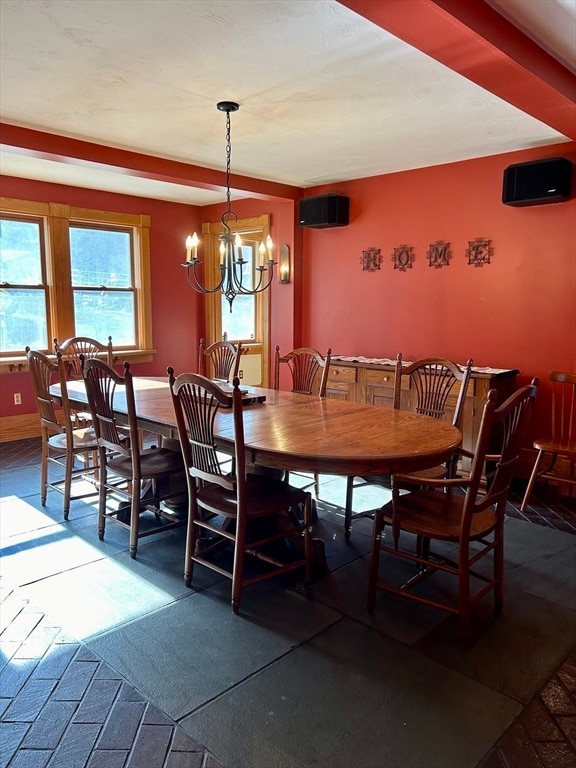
<point>379,377</point>
<point>341,373</point>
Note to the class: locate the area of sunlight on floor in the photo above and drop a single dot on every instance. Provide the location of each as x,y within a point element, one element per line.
<point>36,548</point>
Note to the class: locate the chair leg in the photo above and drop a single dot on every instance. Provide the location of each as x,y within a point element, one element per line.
<point>308,552</point>
<point>532,480</point>
<point>375,560</point>
<point>102,501</point>
<point>316,485</point>
<point>348,508</point>
<point>191,536</point>
<point>68,483</point>
<point>44,472</point>
<point>238,567</point>
<point>134,521</point>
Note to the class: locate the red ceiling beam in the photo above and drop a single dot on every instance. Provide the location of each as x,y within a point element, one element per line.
<point>48,146</point>
<point>473,39</point>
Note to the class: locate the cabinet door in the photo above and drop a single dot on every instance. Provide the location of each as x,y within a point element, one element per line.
<point>341,383</point>
<point>378,387</point>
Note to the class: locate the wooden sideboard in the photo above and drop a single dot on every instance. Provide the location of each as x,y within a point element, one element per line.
<point>372,381</point>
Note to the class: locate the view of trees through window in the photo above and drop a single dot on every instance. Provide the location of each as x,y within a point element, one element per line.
<point>23,301</point>
<point>102,283</point>
<point>240,323</point>
<point>92,286</point>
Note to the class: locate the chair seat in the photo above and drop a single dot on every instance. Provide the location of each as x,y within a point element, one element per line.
<point>84,439</point>
<point>154,462</point>
<point>555,446</point>
<point>264,496</point>
<point>437,515</point>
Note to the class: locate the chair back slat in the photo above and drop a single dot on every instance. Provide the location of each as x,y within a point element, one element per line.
<point>304,364</point>
<point>564,409</point>
<point>432,381</point>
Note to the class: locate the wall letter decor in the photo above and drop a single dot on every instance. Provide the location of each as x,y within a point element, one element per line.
<point>403,257</point>
<point>479,251</point>
<point>439,254</point>
<point>371,259</point>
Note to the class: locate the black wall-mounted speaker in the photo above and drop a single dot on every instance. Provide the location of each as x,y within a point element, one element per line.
<point>538,182</point>
<point>322,211</point>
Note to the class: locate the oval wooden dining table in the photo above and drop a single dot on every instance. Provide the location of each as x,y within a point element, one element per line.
<point>292,431</point>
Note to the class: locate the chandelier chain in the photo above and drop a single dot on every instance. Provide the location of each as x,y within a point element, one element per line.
<point>228,161</point>
<point>232,281</point>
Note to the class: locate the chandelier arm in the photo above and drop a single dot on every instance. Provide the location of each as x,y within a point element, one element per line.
<point>195,282</point>
<point>259,287</point>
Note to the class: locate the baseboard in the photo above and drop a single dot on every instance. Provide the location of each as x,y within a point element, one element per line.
<point>19,427</point>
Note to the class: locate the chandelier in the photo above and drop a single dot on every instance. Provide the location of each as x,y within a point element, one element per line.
<point>232,280</point>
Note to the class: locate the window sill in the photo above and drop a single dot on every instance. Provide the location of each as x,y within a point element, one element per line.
<point>18,363</point>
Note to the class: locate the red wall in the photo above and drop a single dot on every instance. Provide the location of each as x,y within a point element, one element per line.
<point>517,312</point>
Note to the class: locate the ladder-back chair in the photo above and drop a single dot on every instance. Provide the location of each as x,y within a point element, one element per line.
<point>62,444</point>
<point>431,386</point>
<point>460,511</point>
<point>251,512</point>
<point>138,477</point>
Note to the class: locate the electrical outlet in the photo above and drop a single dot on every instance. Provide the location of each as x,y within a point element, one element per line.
<point>240,374</point>
<point>17,398</point>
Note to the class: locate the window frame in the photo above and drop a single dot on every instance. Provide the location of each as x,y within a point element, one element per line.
<point>56,221</point>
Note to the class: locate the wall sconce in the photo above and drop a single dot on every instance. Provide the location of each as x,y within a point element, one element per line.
<point>284,265</point>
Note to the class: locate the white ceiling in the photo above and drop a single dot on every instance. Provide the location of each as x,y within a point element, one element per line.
<point>325,94</point>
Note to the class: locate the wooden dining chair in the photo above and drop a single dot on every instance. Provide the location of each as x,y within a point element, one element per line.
<point>250,512</point>
<point>309,371</point>
<point>139,478</point>
<point>468,512</point>
<point>74,350</point>
<point>556,458</point>
<point>75,346</point>
<point>62,444</point>
<point>220,360</point>
<point>431,386</point>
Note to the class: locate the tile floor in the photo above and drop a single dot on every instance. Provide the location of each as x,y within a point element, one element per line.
<point>109,662</point>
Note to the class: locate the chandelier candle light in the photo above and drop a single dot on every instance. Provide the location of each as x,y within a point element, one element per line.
<point>232,280</point>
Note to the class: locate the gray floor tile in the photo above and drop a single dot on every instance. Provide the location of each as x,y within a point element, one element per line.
<point>184,655</point>
<point>120,588</point>
<point>345,590</point>
<point>353,699</point>
<point>541,561</point>
<point>514,653</point>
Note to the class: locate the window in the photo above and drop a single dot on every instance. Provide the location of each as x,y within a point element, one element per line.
<point>249,321</point>
<point>68,271</point>
<point>23,289</point>
<point>102,284</point>
<point>240,324</point>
